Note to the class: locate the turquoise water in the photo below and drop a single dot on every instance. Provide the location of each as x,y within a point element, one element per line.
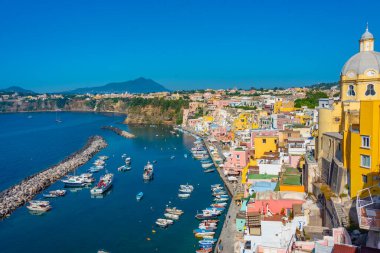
<point>116,222</point>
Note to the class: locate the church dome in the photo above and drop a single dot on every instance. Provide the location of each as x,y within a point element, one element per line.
<point>361,62</point>
<point>367,35</point>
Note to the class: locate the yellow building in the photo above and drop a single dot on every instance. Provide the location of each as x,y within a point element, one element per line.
<point>265,144</point>
<point>364,148</point>
<point>356,118</point>
<point>283,106</point>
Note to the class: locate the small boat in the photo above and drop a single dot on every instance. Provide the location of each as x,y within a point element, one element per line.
<point>202,216</point>
<point>207,165</point>
<point>217,205</point>
<point>39,206</point>
<point>183,195</point>
<point>172,157</point>
<point>87,178</point>
<point>215,186</point>
<point>94,169</point>
<point>209,170</point>
<point>124,168</point>
<point>123,155</point>
<point>219,193</point>
<point>185,155</point>
<point>174,210</point>
<point>162,223</point>
<point>55,194</point>
<point>185,190</point>
<point>99,162</point>
<point>219,200</point>
<point>206,161</point>
<point>104,184</point>
<point>139,196</point>
<point>171,216</point>
<point>74,181</point>
<point>103,157</point>
<point>198,230</point>
<point>148,171</point>
<point>204,240</point>
<point>186,186</point>
<point>201,234</point>
<point>128,161</point>
<point>154,161</point>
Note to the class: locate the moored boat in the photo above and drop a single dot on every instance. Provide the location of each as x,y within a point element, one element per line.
<point>174,210</point>
<point>171,216</point>
<point>148,171</point>
<point>74,181</point>
<point>103,185</point>
<point>209,170</point>
<point>183,195</point>
<point>39,206</point>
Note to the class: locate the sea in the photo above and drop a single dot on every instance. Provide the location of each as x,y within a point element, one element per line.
<point>115,222</point>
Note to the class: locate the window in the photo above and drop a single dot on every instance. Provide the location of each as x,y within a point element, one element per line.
<point>339,146</point>
<point>289,134</point>
<point>365,161</point>
<point>365,141</point>
<point>264,140</point>
<point>351,91</point>
<point>370,90</point>
<point>364,179</point>
<point>237,156</point>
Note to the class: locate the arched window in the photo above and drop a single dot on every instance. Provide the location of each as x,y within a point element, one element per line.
<point>370,90</point>
<point>351,91</point>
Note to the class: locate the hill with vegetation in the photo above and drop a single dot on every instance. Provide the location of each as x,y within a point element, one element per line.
<point>311,99</point>
<point>139,85</point>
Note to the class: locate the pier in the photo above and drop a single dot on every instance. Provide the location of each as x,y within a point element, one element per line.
<point>19,194</point>
<point>119,132</point>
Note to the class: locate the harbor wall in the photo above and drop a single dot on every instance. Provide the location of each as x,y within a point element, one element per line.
<point>119,132</point>
<point>19,194</point>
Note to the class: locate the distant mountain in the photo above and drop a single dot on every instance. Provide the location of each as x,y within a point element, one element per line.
<point>17,89</point>
<point>139,85</point>
<point>324,86</point>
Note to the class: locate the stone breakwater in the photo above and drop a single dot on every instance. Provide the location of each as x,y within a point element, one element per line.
<point>19,194</point>
<point>119,132</point>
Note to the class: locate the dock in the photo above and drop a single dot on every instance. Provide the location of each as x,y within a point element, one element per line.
<point>119,132</point>
<point>19,194</point>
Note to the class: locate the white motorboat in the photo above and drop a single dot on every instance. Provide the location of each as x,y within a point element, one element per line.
<point>186,186</point>
<point>207,165</point>
<point>183,195</point>
<point>39,206</point>
<point>104,184</point>
<point>174,210</point>
<point>148,171</point>
<point>171,216</point>
<point>185,190</point>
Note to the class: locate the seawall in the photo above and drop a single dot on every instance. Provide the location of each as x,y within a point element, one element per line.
<point>119,132</point>
<point>17,195</point>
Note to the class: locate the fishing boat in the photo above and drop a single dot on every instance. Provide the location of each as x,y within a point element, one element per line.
<point>55,194</point>
<point>74,181</point>
<point>171,216</point>
<point>209,170</point>
<point>206,165</point>
<point>148,171</point>
<point>139,196</point>
<point>174,210</point>
<point>183,195</point>
<point>128,161</point>
<point>39,206</point>
<point>103,185</point>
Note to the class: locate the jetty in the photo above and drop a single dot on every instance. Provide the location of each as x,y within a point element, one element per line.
<point>119,132</point>
<point>19,194</point>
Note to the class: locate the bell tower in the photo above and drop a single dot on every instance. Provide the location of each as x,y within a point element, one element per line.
<point>367,41</point>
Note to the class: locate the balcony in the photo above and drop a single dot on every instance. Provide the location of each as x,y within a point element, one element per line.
<point>368,209</point>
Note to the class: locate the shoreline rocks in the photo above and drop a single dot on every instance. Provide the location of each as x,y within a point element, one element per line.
<point>19,194</point>
<point>119,132</point>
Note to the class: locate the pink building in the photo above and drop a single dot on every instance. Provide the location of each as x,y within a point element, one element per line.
<point>238,159</point>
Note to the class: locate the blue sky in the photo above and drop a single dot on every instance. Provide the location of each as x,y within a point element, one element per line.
<point>60,45</point>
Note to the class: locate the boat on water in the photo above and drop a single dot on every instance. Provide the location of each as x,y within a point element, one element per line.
<point>124,168</point>
<point>202,234</point>
<point>103,185</point>
<point>103,157</point>
<point>128,160</point>
<point>94,169</point>
<point>220,200</point>
<point>124,155</point>
<point>87,178</point>
<point>39,206</point>
<point>207,165</point>
<point>162,223</point>
<point>209,170</point>
<point>148,171</point>
<point>174,210</point>
<point>205,240</point>
<point>172,157</point>
<point>185,190</point>
<point>55,194</point>
<point>171,216</point>
<point>215,186</point>
<point>183,195</point>
<point>185,155</point>
<point>139,196</point>
<point>218,205</point>
<point>99,162</point>
<point>203,216</point>
<point>74,181</point>
<point>186,186</point>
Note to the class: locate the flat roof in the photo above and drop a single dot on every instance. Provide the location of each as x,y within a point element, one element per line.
<point>334,135</point>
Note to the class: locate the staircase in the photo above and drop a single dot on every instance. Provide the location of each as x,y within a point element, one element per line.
<point>342,217</point>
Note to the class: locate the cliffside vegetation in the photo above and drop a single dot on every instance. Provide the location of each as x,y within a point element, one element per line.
<point>311,99</point>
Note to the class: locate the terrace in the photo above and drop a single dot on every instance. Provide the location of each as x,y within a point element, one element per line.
<point>368,208</point>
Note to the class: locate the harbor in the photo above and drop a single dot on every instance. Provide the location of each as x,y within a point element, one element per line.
<point>132,225</point>
<point>19,194</point>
